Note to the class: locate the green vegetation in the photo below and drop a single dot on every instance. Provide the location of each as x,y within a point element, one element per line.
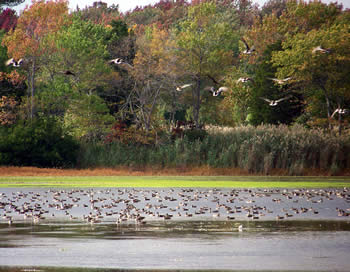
<point>97,88</point>
<point>258,150</point>
<point>178,181</point>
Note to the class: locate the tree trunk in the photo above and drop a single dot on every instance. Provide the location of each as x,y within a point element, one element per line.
<point>32,89</point>
<point>197,101</point>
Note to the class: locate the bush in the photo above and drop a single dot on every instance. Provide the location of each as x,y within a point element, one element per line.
<point>40,142</point>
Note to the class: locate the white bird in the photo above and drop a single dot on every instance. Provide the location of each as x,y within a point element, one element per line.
<point>14,63</point>
<point>321,50</point>
<point>240,228</point>
<point>273,103</point>
<point>339,111</point>
<point>180,88</point>
<point>280,81</point>
<point>248,50</point>
<point>244,79</point>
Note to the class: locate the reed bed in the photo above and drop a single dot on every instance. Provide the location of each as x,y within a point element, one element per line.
<point>256,150</point>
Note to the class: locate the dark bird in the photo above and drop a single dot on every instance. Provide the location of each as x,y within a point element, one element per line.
<point>248,50</point>
<point>321,50</point>
<point>68,73</point>
<point>180,88</point>
<point>280,81</point>
<point>273,103</point>
<point>14,63</point>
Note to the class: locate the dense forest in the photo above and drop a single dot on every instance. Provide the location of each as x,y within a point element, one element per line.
<point>222,83</point>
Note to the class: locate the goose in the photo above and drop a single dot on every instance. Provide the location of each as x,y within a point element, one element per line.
<point>180,88</point>
<point>119,61</point>
<point>244,79</point>
<point>339,111</point>
<point>321,50</point>
<point>248,50</point>
<point>273,103</point>
<point>280,81</point>
<point>218,92</point>
<point>14,63</point>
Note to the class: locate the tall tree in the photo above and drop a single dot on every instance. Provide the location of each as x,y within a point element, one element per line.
<point>25,42</point>
<point>205,44</point>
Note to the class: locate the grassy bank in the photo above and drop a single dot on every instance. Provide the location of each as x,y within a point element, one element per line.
<point>255,150</point>
<point>175,181</point>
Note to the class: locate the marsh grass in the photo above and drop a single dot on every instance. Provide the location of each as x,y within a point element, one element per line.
<point>257,150</point>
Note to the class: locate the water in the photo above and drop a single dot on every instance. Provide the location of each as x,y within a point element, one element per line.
<point>307,241</point>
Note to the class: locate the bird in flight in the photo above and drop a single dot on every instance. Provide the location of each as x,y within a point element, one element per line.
<point>339,111</point>
<point>280,81</point>
<point>244,79</point>
<point>248,50</point>
<point>119,61</point>
<point>273,103</point>
<point>218,91</point>
<point>180,88</point>
<point>14,63</point>
<point>321,50</point>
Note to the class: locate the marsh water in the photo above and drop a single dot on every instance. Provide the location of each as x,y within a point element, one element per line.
<point>63,238</point>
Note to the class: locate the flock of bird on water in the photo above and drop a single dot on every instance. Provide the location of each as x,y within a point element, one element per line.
<point>215,92</point>
<point>139,206</point>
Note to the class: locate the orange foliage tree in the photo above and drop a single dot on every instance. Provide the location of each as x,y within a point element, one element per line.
<point>26,40</point>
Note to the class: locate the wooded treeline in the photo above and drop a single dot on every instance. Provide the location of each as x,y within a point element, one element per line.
<point>168,71</point>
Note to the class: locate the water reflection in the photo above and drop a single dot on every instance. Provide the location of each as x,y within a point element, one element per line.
<point>178,245</point>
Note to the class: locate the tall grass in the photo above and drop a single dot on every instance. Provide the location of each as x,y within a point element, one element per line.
<point>257,150</point>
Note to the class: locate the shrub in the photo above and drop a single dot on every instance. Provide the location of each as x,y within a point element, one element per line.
<point>40,142</point>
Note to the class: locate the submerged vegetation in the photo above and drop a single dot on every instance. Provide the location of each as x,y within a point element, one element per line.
<point>177,84</point>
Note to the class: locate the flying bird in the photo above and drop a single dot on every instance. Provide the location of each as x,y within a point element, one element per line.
<point>180,88</point>
<point>248,50</point>
<point>321,50</point>
<point>280,81</point>
<point>273,103</point>
<point>14,63</point>
<point>119,61</point>
<point>340,111</point>
<point>244,79</point>
<point>216,92</point>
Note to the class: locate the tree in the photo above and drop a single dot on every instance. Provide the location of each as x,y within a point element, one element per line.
<point>8,19</point>
<point>325,71</point>
<point>205,45</point>
<point>10,3</point>
<point>25,42</point>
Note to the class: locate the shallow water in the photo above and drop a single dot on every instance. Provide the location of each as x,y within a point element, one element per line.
<point>306,241</point>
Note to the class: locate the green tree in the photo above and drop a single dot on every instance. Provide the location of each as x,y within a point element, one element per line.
<point>317,70</point>
<point>205,46</point>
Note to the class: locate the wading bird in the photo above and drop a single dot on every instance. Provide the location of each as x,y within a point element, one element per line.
<point>273,103</point>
